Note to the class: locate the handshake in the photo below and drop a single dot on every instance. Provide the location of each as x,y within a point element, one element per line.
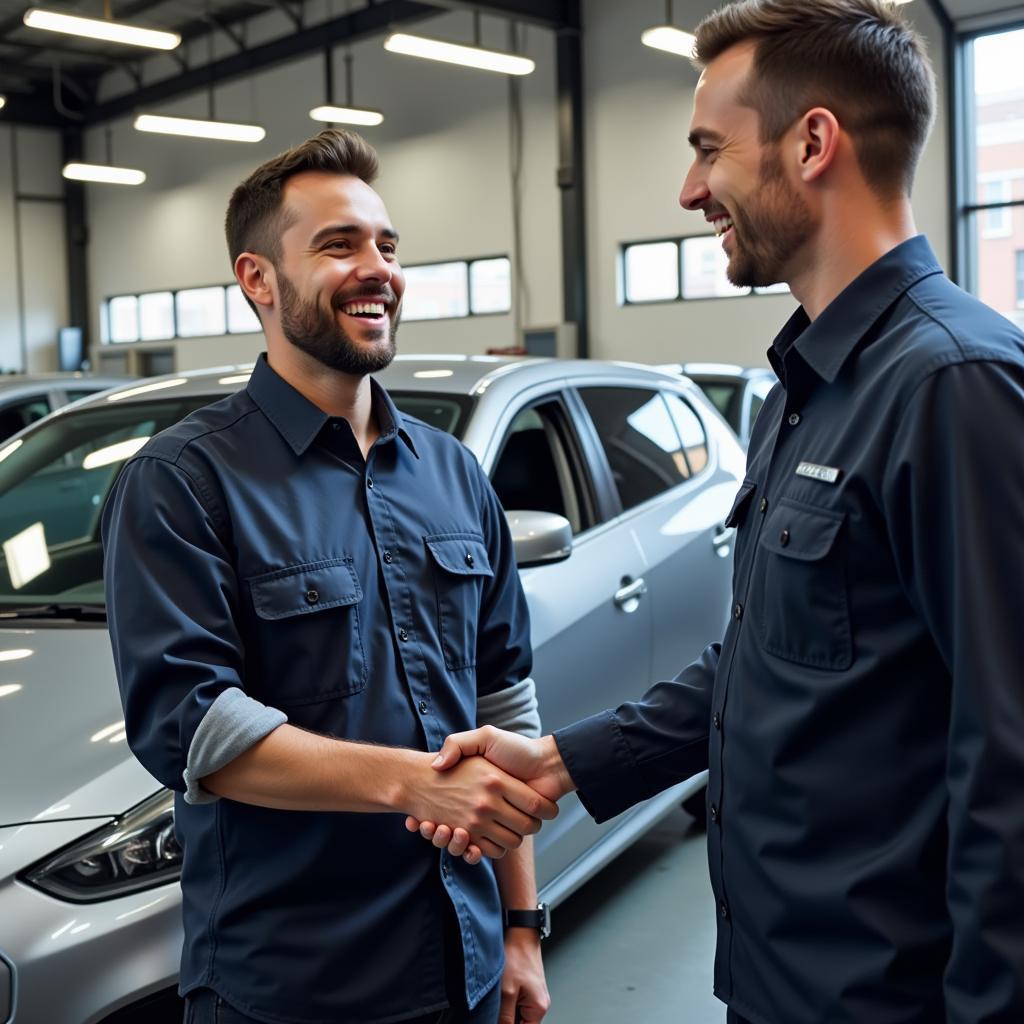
<point>510,785</point>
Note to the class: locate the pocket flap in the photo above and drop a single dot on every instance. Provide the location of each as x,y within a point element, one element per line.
<point>303,589</point>
<point>461,553</point>
<point>799,532</point>
<point>745,493</point>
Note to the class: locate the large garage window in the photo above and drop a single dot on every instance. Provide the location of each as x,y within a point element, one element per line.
<point>992,192</point>
<point>458,288</point>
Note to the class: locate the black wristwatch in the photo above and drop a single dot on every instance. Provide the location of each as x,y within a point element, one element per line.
<point>539,919</point>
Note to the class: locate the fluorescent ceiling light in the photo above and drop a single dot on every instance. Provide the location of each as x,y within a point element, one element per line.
<point>453,53</point>
<point>224,130</point>
<point>99,28</point>
<point>3,102</point>
<point>113,453</point>
<point>346,115</point>
<point>672,40</point>
<point>144,389</point>
<point>104,173</point>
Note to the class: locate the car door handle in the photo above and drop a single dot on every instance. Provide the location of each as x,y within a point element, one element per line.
<point>627,597</point>
<point>722,542</point>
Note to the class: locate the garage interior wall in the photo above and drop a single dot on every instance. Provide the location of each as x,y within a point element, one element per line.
<point>445,149</point>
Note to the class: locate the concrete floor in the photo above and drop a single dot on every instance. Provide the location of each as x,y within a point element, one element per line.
<point>637,943</point>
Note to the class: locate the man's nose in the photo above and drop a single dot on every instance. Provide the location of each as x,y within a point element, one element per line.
<point>373,266</point>
<point>694,193</point>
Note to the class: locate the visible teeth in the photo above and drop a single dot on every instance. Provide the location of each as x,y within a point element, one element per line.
<point>722,225</point>
<point>363,308</point>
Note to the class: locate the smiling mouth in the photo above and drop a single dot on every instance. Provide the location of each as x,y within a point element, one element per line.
<point>721,225</point>
<point>365,310</point>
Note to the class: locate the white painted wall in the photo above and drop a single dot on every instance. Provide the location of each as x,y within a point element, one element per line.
<point>33,261</point>
<point>445,153</point>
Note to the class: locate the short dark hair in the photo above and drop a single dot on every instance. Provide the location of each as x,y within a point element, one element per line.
<point>859,58</point>
<point>256,219</point>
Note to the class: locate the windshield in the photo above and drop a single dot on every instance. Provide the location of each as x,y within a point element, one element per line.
<point>55,479</point>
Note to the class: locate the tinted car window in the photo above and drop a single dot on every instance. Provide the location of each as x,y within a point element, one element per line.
<point>691,432</point>
<point>446,412</point>
<point>725,397</point>
<point>639,439</point>
<point>14,417</point>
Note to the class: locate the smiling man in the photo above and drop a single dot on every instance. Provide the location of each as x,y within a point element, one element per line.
<point>307,591</point>
<point>862,717</point>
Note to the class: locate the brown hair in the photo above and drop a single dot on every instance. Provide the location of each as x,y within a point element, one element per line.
<point>256,219</point>
<point>858,58</point>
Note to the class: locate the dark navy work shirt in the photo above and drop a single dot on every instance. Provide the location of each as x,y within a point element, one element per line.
<point>251,546</point>
<point>863,718</point>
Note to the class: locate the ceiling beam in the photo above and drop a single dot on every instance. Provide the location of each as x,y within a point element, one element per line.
<point>363,23</point>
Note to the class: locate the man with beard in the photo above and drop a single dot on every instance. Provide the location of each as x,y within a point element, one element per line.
<point>862,717</point>
<point>307,591</point>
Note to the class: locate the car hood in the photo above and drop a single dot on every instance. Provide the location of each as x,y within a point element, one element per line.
<point>63,753</point>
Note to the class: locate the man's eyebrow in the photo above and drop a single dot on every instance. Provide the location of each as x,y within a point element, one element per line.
<point>347,229</point>
<point>701,135</point>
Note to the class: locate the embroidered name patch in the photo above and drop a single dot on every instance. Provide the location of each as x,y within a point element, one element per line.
<point>826,474</point>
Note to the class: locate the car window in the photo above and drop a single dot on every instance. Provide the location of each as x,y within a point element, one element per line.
<point>20,414</point>
<point>639,440</point>
<point>538,468</point>
<point>691,432</point>
<point>758,393</point>
<point>446,412</point>
<point>725,397</point>
<point>75,395</point>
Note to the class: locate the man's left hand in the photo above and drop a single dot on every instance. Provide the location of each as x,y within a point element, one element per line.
<point>523,987</point>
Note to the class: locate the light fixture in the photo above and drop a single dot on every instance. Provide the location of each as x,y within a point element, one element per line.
<point>3,102</point>
<point>474,56</point>
<point>669,38</point>
<point>101,28</point>
<point>347,114</point>
<point>224,130</point>
<point>106,173</point>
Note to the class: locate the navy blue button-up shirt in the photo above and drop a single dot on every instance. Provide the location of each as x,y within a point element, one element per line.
<point>863,718</point>
<point>251,546</point>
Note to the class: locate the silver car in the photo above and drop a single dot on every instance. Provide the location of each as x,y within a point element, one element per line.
<point>25,398</point>
<point>737,392</point>
<point>617,480</point>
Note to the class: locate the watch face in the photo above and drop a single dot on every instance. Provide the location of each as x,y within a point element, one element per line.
<point>545,920</point>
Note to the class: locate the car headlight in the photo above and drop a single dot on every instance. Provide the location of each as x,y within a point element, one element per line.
<point>137,851</point>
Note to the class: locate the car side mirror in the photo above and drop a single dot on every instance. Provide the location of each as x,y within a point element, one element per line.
<point>539,538</point>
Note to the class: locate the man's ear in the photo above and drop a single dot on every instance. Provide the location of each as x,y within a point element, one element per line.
<point>256,278</point>
<point>818,137</point>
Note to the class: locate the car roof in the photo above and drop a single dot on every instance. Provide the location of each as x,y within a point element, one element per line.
<point>725,371</point>
<point>10,382</point>
<point>467,375</point>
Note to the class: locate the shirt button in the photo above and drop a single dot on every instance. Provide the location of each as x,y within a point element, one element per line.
<point>784,538</point>
<point>716,720</point>
<point>312,597</point>
<point>403,635</point>
<point>335,426</point>
<point>737,612</point>
<point>723,910</point>
<point>423,707</point>
<point>794,418</point>
<point>713,812</point>
<point>764,504</point>
<point>388,557</point>
<point>369,482</point>
<point>469,561</point>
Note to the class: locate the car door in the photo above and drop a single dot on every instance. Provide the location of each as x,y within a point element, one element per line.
<point>590,619</point>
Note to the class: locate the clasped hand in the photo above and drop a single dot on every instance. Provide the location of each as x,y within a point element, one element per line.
<point>535,762</point>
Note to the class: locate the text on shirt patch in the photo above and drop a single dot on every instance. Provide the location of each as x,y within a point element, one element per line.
<point>826,474</point>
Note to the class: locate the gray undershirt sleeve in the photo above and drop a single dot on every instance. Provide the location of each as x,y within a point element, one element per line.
<point>514,709</point>
<point>234,723</point>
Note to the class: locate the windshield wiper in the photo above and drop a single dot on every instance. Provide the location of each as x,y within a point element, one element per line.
<point>75,612</point>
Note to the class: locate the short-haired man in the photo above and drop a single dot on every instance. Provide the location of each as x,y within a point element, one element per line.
<point>863,718</point>
<point>291,638</point>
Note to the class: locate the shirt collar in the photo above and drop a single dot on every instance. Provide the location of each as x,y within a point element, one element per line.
<point>299,421</point>
<point>828,342</point>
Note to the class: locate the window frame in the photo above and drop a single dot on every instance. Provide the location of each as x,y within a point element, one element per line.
<point>467,262</point>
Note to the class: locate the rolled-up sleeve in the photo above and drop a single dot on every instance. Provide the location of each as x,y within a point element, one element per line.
<point>954,495</point>
<point>172,596</point>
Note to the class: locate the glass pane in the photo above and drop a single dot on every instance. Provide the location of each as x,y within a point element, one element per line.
<point>639,440</point>
<point>436,291</point>
<point>201,312</point>
<point>999,266</point>
<point>691,432</point>
<point>123,318</point>
<point>490,285</point>
<point>446,412</point>
<point>704,263</point>
<point>156,316</point>
<point>999,127</point>
<point>241,318</point>
<point>652,272</point>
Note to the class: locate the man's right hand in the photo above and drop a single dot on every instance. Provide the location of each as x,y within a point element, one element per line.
<point>537,762</point>
<point>494,809</point>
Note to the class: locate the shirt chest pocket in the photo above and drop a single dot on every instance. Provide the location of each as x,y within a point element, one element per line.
<point>804,614</point>
<point>460,565</point>
<point>309,636</point>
